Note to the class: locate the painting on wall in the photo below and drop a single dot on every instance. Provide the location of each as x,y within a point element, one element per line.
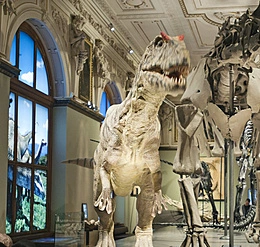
<point>216,169</point>
<point>85,79</point>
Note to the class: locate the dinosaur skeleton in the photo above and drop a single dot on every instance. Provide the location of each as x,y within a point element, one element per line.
<point>205,184</point>
<point>245,162</point>
<point>127,154</point>
<point>225,88</point>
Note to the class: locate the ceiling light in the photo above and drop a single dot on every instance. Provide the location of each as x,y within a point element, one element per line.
<point>112,29</point>
<point>130,50</point>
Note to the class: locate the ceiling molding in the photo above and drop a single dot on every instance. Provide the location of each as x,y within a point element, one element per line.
<point>199,15</point>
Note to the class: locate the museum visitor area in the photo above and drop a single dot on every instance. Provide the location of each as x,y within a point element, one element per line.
<point>130,123</point>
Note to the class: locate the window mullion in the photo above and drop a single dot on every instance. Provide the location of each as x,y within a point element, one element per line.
<point>17,62</point>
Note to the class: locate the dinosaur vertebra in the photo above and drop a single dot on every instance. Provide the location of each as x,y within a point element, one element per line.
<point>127,154</point>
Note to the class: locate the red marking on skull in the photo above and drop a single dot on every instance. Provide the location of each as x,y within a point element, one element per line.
<point>165,36</point>
<point>181,37</point>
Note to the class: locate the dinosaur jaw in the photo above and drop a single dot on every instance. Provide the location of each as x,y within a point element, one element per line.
<point>170,79</point>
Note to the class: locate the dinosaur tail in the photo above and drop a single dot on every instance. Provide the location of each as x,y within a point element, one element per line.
<point>242,224</point>
<point>85,162</point>
<point>247,221</point>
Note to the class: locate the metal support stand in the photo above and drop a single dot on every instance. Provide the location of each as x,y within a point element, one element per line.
<point>230,161</point>
<point>225,237</point>
<point>231,194</point>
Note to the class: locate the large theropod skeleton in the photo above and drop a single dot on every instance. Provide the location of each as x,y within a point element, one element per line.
<point>127,154</point>
<point>225,88</point>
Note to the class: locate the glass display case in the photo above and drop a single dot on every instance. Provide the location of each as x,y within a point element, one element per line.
<point>69,230</point>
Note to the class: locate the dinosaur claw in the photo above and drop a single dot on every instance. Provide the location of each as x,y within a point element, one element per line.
<point>104,201</point>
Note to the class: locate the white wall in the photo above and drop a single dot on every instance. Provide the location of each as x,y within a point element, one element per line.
<point>72,185</point>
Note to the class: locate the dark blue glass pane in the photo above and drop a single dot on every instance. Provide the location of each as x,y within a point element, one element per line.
<point>41,135</point>
<point>41,75</point>
<point>13,52</point>
<point>26,56</point>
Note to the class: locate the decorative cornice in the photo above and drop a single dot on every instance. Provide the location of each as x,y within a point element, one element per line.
<point>7,69</point>
<point>223,16</point>
<point>200,15</point>
<point>61,22</point>
<point>102,31</point>
<point>79,107</point>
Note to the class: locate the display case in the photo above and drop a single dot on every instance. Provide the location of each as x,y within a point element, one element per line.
<point>69,230</point>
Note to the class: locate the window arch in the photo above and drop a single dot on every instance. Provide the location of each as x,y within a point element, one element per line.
<point>29,149</point>
<point>110,96</point>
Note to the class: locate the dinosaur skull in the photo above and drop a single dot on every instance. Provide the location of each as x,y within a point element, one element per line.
<point>165,63</point>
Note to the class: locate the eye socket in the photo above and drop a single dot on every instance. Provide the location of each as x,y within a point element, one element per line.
<point>158,42</point>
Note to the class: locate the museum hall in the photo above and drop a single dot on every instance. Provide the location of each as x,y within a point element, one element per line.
<point>129,123</point>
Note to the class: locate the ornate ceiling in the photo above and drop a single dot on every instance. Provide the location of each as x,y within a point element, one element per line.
<point>137,22</point>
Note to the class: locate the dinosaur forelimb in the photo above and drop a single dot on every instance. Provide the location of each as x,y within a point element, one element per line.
<point>159,201</point>
<point>104,201</point>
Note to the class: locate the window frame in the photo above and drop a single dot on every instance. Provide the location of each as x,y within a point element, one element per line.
<point>36,97</point>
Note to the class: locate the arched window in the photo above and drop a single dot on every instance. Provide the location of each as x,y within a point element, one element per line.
<point>29,153</point>
<point>110,96</point>
<point>104,104</point>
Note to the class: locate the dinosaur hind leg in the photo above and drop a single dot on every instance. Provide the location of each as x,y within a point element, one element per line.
<point>145,202</point>
<point>106,228</point>
<point>105,206</point>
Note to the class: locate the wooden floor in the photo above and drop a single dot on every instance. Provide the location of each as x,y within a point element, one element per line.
<point>172,236</point>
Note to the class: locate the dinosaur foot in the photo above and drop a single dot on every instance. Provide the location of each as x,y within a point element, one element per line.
<point>256,232</point>
<point>143,238</point>
<point>195,239</point>
<point>105,239</point>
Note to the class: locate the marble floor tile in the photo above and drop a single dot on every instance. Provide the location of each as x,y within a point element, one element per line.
<point>172,236</point>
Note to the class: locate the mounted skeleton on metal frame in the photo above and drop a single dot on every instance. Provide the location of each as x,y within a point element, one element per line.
<point>225,89</point>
